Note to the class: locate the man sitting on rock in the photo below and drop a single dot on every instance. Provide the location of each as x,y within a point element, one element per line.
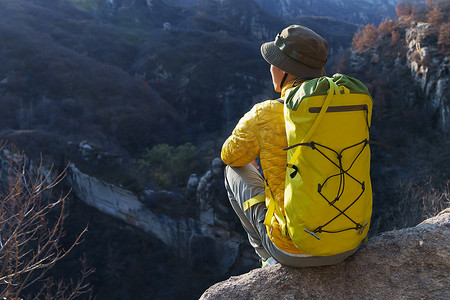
<point>297,54</point>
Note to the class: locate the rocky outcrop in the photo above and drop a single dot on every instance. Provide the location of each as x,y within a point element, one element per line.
<point>206,236</point>
<point>211,197</point>
<point>430,70</point>
<point>411,263</point>
<point>126,206</point>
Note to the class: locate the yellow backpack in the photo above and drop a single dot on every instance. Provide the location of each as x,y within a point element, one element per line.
<point>328,193</point>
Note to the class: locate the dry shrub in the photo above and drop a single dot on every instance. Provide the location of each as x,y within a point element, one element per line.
<point>444,35</point>
<point>386,27</point>
<point>366,39</point>
<point>420,201</point>
<point>395,36</point>
<point>406,8</point>
<point>435,16</point>
<point>31,223</point>
<point>430,3</point>
<point>414,203</point>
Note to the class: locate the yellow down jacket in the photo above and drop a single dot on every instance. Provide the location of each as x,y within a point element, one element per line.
<point>261,132</point>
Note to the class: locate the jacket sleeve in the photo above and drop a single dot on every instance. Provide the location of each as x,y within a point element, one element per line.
<point>242,146</point>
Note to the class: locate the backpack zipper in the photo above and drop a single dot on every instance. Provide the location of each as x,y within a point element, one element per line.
<point>342,108</point>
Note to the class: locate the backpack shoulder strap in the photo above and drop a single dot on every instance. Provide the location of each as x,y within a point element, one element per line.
<point>333,90</point>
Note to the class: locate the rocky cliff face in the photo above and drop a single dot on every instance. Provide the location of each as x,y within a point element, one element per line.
<point>411,263</point>
<point>206,236</point>
<point>406,70</point>
<point>430,70</point>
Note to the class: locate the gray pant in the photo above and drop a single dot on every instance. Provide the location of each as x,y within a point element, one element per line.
<point>243,183</point>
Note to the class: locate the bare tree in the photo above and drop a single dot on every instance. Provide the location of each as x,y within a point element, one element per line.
<point>31,222</point>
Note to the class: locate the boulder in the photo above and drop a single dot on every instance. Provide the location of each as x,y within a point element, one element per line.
<point>411,263</point>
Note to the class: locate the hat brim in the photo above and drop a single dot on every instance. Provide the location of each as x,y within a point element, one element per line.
<point>274,56</point>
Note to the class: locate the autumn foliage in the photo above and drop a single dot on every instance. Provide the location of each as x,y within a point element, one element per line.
<point>444,35</point>
<point>434,12</point>
<point>406,8</point>
<point>365,39</point>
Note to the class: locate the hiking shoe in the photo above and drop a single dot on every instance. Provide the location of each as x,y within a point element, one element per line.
<point>268,262</point>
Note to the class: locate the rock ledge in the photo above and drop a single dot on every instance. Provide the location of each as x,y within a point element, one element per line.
<point>411,263</point>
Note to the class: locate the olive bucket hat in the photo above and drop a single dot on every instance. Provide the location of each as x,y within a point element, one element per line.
<point>298,51</point>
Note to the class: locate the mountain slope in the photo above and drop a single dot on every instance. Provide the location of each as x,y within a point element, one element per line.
<point>50,81</point>
<point>106,70</point>
<point>358,12</point>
